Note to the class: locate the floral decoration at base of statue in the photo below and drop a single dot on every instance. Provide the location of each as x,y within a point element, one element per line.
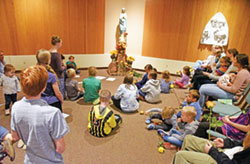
<point>112,68</point>
<point>120,64</point>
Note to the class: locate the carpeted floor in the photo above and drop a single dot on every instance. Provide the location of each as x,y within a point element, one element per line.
<point>131,143</point>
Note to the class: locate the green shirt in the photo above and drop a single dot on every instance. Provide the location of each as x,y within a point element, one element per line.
<point>69,62</point>
<point>91,86</point>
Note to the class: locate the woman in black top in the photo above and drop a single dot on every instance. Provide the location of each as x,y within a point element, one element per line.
<point>56,62</point>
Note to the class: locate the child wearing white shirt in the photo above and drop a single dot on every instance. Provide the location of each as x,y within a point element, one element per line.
<point>10,85</point>
<point>126,97</point>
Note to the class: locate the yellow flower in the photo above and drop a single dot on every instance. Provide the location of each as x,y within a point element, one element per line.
<point>210,104</point>
<point>131,58</point>
<point>161,149</point>
<point>113,52</point>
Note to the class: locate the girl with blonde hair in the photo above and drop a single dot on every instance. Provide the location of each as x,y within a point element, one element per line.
<point>51,94</point>
<point>165,82</point>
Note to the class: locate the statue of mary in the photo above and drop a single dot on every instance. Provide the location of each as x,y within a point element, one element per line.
<point>123,21</point>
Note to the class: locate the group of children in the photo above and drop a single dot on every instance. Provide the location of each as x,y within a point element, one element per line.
<point>40,86</point>
<point>43,96</point>
<point>178,123</point>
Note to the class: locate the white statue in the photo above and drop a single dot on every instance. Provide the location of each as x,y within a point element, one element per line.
<point>123,21</point>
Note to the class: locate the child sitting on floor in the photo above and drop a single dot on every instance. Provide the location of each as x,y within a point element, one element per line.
<point>165,82</point>
<point>91,86</point>
<point>176,137</point>
<point>151,90</point>
<point>41,127</point>
<point>192,100</point>
<point>166,115</point>
<point>72,61</point>
<point>126,97</point>
<point>101,119</point>
<point>141,83</point>
<point>183,82</point>
<point>72,89</point>
<point>6,146</point>
<point>11,86</point>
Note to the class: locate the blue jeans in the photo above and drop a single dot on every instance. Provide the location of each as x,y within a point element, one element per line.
<point>3,132</point>
<point>214,91</point>
<point>172,139</point>
<point>197,64</point>
<point>9,98</point>
<point>61,86</point>
<point>143,94</point>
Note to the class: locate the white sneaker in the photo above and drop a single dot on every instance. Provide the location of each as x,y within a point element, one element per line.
<point>7,112</point>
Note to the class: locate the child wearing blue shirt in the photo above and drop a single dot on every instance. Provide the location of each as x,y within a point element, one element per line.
<point>141,83</point>
<point>192,100</point>
<point>44,127</point>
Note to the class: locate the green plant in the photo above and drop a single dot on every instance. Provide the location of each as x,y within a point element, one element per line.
<point>136,74</point>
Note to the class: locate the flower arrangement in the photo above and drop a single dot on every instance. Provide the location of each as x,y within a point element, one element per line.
<point>114,55</point>
<point>130,60</point>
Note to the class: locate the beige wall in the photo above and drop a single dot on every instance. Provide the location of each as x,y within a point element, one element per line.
<point>83,61</point>
<point>135,12</point>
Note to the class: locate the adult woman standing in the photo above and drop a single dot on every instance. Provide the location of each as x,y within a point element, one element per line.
<point>234,91</point>
<point>56,62</point>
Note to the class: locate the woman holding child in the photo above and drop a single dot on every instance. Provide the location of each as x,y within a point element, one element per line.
<point>231,53</point>
<point>220,91</point>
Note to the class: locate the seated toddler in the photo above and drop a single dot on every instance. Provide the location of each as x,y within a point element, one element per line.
<point>166,116</point>
<point>176,137</point>
<point>151,90</point>
<point>165,82</point>
<point>72,89</point>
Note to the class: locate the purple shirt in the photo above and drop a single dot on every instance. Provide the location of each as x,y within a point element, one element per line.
<point>165,86</point>
<point>184,79</point>
<point>49,95</point>
<point>234,133</point>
